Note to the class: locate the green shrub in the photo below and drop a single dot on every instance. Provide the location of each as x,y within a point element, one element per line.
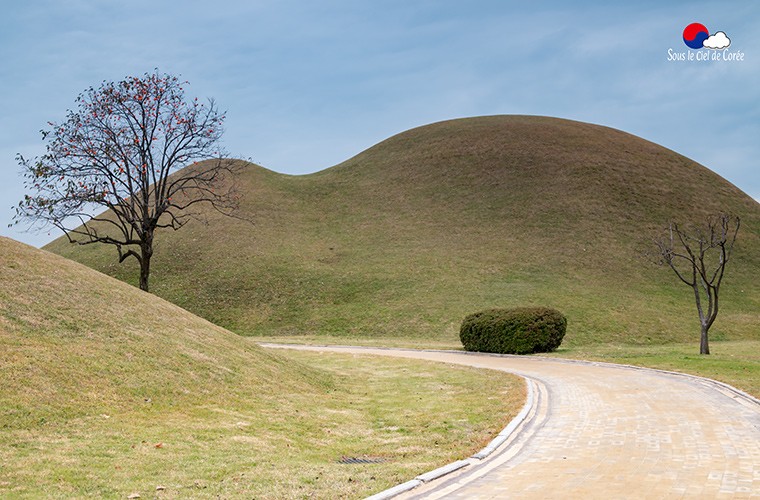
<point>521,330</point>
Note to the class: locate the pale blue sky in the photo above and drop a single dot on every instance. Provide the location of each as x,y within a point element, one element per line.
<point>308,84</point>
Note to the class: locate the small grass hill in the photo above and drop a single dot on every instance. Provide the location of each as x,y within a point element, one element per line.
<point>409,236</point>
<point>76,343</point>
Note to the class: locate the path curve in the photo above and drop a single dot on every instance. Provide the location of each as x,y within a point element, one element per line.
<point>608,431</point>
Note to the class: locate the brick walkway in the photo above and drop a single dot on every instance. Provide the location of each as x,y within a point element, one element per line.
<point>600,431</point>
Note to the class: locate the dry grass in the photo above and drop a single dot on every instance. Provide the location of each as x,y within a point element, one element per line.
<point>415,416</point>
<point>108,391</point>
<point>405,239</point>
<point>736,363</point>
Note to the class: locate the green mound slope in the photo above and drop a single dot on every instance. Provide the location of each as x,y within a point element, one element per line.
<point>76,343</point>
<point>109,392</point>
<point>406,238</point>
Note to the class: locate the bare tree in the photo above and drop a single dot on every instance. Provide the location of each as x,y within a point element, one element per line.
<point>120,151</point>
<point>699,256</point>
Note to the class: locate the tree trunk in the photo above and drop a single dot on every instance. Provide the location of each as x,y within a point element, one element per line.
<point>144,271</point>
<point>704,347</point>
<point>146,252</point>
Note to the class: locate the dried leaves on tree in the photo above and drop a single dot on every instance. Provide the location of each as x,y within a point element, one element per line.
<point>120,151</point>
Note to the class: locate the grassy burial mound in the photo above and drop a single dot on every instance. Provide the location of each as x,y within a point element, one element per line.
<point>76,341</point>
<point>409,236</point>
<point>97,373</point>
<point>110,392</point>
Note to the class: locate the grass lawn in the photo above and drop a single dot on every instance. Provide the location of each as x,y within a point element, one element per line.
<point>734,362</point>
<point>107,391</point>
<point>415,416</point>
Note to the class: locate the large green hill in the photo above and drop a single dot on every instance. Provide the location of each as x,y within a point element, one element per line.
<point>409,236</point>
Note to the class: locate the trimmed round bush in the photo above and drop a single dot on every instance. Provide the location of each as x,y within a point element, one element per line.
<point>522,330</point>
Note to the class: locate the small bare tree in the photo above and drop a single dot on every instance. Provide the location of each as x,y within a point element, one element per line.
<point>699,256</point>
<point>120,151</point>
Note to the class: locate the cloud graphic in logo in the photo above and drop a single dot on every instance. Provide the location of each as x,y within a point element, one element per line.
<point>717,41</point>
<point>694,35</point>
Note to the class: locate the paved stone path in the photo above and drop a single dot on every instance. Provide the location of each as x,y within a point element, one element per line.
<point>604,431</point>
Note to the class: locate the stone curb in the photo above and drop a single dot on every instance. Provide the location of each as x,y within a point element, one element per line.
<point>443,471</point>
<point>529,404</point>
<point>510,428</point>
<point>499,440</point>
<point>396,490</point>
<point>704,380</point>
<point>738,392</point>
<point>715,383</point>
<point>495,443</point>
